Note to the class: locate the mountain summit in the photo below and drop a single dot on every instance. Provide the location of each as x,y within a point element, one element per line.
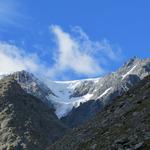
<point>98,93</point>
<point>122,125</point>
<point>77,101</point>
<point>34,114</point>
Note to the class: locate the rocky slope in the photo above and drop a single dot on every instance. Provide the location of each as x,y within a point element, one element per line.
<point>123,125</point>
<point>26,123</point>
<point>104,89</point>
<point>77,101</point>
<point>33,86</point>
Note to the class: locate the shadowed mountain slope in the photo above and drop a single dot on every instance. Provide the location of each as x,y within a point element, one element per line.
<point>123,125</point>
<point>26,123</point>
<point>75,102</point>
<point>105,89</point>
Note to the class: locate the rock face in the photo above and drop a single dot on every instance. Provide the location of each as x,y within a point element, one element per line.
<point>26,123</point>
<point>75,102</point>
<point>105,89</point>
<point>123,125</point>
<point>82,113</point>
<point>33,86</point>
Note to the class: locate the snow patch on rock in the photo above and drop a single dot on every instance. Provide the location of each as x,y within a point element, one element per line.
<point>129,72</point>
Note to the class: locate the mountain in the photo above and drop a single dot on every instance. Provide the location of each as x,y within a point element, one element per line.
<point>33,86</point>
<point>94,95</point>
<point>77,101</point>
<point>34,113</point>
<point>122,125</point>
<point>26,123</point>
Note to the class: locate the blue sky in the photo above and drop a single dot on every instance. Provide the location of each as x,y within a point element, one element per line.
<point>70,39</point>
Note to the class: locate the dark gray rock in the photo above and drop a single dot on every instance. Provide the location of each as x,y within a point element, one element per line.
<point>115,128</point>
<point>119,82</point>
<point>26,123</point>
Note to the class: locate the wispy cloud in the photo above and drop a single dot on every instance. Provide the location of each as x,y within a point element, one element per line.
<point>74,52</point>
<point>71,54</point>
<point>10,13</point>
<point>78,53</point>
<point>15,59</point>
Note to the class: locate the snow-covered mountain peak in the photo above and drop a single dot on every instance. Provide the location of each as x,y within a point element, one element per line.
<point>33,85</point>
<point>64,95</point>
<point>73,93</point>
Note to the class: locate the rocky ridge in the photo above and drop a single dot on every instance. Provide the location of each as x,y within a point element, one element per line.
<point>122,125</point>
<point>105,89</point>
<point>77,101</point>
<point>26,123</point>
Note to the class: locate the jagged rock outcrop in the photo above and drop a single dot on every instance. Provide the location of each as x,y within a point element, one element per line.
<point>75,102</point>
<point>33,86</point>
<point>26,123</point>
<point>122,125</point>
<point>105,89</point>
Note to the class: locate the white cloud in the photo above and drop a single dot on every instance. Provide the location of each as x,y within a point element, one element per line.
<point>70,55</point>
<point>75,53</point>
<point>14,59</point>
<point>10,14</point>
<point>79,53</point>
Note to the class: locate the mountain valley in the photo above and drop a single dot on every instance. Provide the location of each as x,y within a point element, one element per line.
<point>106,113</point>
